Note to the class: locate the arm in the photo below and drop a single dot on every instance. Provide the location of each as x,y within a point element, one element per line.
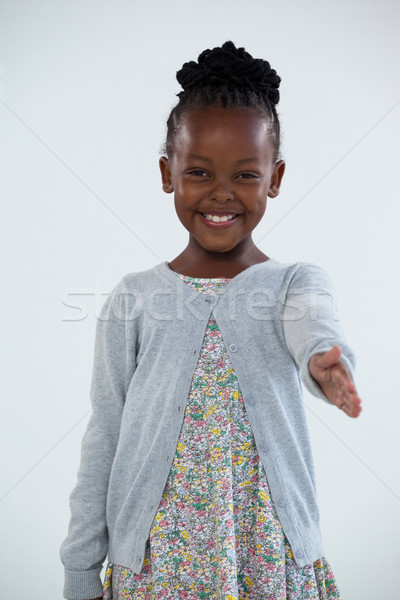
<point>313,332</point>
<point>85,548</point>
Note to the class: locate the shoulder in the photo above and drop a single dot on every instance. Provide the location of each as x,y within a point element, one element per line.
<point>137,281</point>
<point>140,291</point>
<point>309,275</point>
<point>285,274</point>
<point>292,278</point>
<point>131,290</point>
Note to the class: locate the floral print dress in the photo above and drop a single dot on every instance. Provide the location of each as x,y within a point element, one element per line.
<point>217,534</point>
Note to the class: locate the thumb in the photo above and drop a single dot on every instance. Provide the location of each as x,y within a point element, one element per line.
<point>327,359</point>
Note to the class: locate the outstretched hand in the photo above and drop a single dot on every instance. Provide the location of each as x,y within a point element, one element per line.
<point>333,377</point>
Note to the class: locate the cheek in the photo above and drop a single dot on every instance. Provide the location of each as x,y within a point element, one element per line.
<point>260,203</point>
<point>183,191</point>
<point>259,210</point>
<point>187,197</point>
<point>183,209</point>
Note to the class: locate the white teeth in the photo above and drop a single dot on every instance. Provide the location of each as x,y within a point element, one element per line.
<point>217,219</point>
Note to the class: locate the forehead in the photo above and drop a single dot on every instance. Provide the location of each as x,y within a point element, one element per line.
<point>232,131</point>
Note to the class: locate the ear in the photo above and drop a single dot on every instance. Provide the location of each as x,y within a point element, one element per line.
<point>166,175</point>
<point>276,178</point>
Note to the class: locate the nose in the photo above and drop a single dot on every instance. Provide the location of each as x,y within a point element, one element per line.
<point>221,192</point>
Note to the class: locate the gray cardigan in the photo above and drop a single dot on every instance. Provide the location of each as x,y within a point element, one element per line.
<point>273,317</point>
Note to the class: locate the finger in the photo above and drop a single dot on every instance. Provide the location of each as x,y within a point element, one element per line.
<point>350,404</point>
<point>352,411</point>
<point>341,375</point>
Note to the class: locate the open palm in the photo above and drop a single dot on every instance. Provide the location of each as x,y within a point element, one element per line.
<point>333,377</point>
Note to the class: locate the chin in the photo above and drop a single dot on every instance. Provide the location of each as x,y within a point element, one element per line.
<point>219,250</point>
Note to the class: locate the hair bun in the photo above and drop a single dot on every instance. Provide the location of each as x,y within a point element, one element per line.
<point>228,65</point>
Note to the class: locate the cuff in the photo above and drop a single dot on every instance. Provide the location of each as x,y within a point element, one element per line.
<point>312,386</point>
<point>83,585</point>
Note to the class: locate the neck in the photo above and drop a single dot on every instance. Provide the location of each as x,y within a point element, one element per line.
<point>196,261</point>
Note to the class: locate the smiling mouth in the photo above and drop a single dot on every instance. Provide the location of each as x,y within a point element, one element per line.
<point>219,221</point>
<point>219,218</point>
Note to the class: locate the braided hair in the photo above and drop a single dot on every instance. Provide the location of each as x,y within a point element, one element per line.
<point>226,76</point>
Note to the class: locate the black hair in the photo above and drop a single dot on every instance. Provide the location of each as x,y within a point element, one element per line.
<point>226,76</point>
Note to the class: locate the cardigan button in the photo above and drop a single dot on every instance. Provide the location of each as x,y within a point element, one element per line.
<point>233,347</point>
<point>281,502</point>
<point>264,447</point>
<point>250,401</point>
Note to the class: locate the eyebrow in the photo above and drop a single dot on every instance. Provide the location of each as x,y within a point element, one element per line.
<point>238,162</point>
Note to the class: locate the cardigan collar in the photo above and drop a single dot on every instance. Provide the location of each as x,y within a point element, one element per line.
<point>168,274</point>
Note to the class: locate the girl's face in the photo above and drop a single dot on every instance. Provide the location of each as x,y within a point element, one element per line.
<point>221,172</point>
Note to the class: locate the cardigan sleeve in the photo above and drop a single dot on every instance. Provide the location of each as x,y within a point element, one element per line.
<point>85,547</point>
<point>311,323</point>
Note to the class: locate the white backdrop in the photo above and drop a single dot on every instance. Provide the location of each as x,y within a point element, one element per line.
<point>85,89</point>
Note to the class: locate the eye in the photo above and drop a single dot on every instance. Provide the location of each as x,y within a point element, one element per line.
<point>247,175</point>
<point>198,173</point>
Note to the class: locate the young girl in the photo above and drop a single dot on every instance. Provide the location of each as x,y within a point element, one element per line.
<point>196,476</point>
